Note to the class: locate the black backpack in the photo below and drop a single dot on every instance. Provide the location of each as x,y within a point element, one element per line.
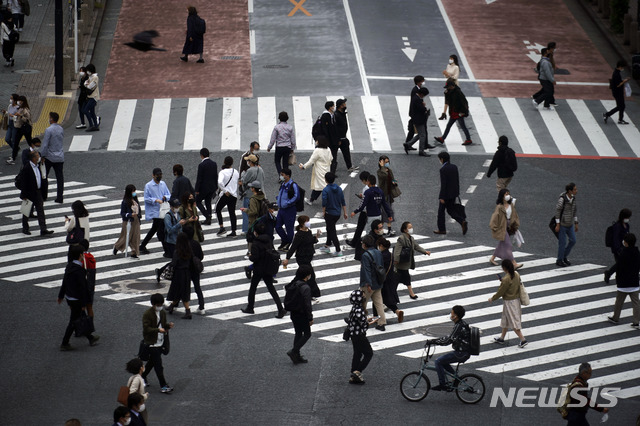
<point>14,36</point>
<point>474,341</point>
<point>200,26</point>
<point>608,236</point>
<point>510,159</point>
<point>379,270</point>
<point>293,300</point>
<point>273,261</point>
<point>316,130</point>
<point>264,207</point>
<point>300,199</point>
<point>19,180</point>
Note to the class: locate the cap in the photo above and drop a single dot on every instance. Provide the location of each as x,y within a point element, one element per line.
<point>255,184</point>
<point>157,171</point>
<point>450,82</point>
<point>174,203</point>
<point>252,158</point>
<point>340,102</point>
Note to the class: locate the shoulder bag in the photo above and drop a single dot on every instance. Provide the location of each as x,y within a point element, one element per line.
<point>524,296</point>
<point>552,222</point>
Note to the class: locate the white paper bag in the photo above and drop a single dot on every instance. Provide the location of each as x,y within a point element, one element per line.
<point>517,239</point>
<point>25,207</point>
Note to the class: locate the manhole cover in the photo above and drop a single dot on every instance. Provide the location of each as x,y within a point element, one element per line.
<point>230,58</point>
<point>140,286</point>
<point>275,66</point>
<point>27,71</point>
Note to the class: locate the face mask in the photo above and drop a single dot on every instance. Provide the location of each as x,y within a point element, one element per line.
<point>450,61</point>
<point>191,201</point>
<point>281,178</point>
<point>20,103</point>
<point>157,178</point>
<point>133,194</point>
<point>380,231</point>
<point>410,231</point>
<point>126,422</point>
<point>256,151</point>
<point>141,408</point>
<point>82,74</point>
<point>158,308</point>
<point>386,164</point>
<point>507,197</point>
<point>307,224</point>
<point>625,220</point>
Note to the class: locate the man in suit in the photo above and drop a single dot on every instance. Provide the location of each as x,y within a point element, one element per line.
<point>181,185</point>
<point>419,114</point>
<point>329,131</point>
<point>418,81</point>
<point>136,405</point>
<point>33,187</point>
<point>449,191</point>
<point>206,184</point>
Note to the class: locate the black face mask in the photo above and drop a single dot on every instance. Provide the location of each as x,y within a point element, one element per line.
<point>157,178</point>
<point>191,201</point>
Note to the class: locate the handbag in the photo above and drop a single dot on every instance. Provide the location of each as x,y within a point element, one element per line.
<point>405,254</point>
<point>459,209</point>
<point>166,344</point>
<point>552,222</point>
<point>395,191</point>
<point>524,296</point>
<point>167,274</point>
<point>83,325</point>
<point>200,234</point>
<point>517,239</point>
<point>76,234</point>
<point>197,264</point>
<point>627,91</point>
<point>292,159</point>
<point>123,395</point>
<point>143,351</point>
<point>164,209</point>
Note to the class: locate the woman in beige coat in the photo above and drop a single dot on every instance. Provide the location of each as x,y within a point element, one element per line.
<point>509,290</point>
<point>504,223</point>
<point>321,160</point>
<point>403,264</point>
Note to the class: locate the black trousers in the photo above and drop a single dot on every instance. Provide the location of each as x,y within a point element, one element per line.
<point>58,169</point>
<point>38,204</point>
<point>448,206</point>
<point>410,131</point>
<point>619,107</point>
<point>230,203</point>
<point>195,279</point>
<point>346,154</point>
<point>314,195</point>
<point>362,352</point>
<point>76,311</point>
<point>268,281</point>
<point>206,207</point>
<point>462,125</point>
<point>613,268</point>
<point>332,235</point>
<point>155,362</point>
<point>547,93</point>
<point>156,226</point>
<point>7,50</point>
<point>362,222</point>
<point>303,330</point>
<point>282,158</point>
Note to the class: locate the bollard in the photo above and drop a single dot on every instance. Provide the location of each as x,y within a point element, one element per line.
<point>67,66</point>
<point>626,36</point>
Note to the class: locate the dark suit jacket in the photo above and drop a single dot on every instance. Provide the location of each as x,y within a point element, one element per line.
<point>74,283</point>
<point>417,110</point>
<point>207,180</point>
<point>137,420</point>
<point>181,186</point>
<point>329,128</point>
<point>30,184</point>
<point>449,182</point>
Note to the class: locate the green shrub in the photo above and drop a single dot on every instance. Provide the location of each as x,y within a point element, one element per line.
<point>618,9</point>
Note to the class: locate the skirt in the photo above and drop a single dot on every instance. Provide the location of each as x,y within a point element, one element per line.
<point>511,314</point>
<point>504,250</point>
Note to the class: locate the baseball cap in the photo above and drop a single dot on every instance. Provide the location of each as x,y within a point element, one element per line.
<point>340,102</point>
<point>252,158</point>
<point>255,184</point>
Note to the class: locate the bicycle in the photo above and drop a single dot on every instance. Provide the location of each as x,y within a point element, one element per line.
<point>415,386</point>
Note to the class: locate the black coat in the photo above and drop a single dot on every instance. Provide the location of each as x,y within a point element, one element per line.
<point>418,110</point>
<point>182,185</point>
<point>30,184</point>
<point>390,286</point>
<point>196,45</point>
<point>329,128</point>
<point>302,247</point>
<point>74,283</point>
<point>628,268</point>
<point>342,125</point>
<point>457,101</point>
<point>207,179</point>
<point>449,182</point>
<point>258,256</point>
<point>499,162</point>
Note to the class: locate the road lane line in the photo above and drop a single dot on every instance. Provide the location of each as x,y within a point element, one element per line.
<point>79,143</point>
<point>158,125</point>
<point>356,48</point>
<point>119,138</point>
<point>455,40</point>
<point>194,126</point>
<point>520,127</point>
<point>303,121</point>
<point>231,123</point>
<point>403,109</point>
<point>485,80</point>
<point>375,123</point>
<point>266,119</point>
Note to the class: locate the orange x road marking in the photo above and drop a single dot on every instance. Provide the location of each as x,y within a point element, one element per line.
<point>298,5</point>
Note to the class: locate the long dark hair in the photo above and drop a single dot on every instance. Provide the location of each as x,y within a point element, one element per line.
<point>508,266</point>
<point>25,103</point>
<point>183,247</point>
<point>624,214</point>
<point>128,194</point>
<point>501,194</point>
<point>455,59</point>
<point>79,209</point>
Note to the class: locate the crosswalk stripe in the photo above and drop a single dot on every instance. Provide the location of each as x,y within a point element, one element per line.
<point>159,124</point>
<point>80,143</point>
<point>559,133</point>
<point>483,124</point>
<point>521,129</point>
<point>267,119</point>
<point>403,103</point>
<point>119,139</point>
<point>629,131</point>
<point>231,123</point>
<point>454,139</point>
<point>194,125</point>
<point>375,124</point>
<point>591,128</point>
<point>598,381</point>
<point>304,120</point>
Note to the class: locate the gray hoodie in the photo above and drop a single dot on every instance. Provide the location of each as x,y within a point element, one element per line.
<point>546,70</point>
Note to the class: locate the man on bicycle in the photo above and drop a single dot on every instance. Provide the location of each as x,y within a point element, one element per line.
<point>460,337</point>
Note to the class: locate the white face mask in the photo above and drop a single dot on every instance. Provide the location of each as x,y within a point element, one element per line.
<point>507,197</point>
<point>450,61</point>
<point>82,74</point>
<point>158,308</point>
<point>141,408</point>
<point>19,103</point>
<point>410,231</point>
<point>380,231</point>
<point>307,224</point>
<point>625,220</point>
<point>281,178</point>
<point>126,422</point>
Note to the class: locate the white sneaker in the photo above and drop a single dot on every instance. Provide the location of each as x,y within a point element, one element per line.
<point>81,126</point>
<point>306,200</point>
<point>535,104</point>
<point>549,108</point>
<point>325,250</point>
<point>201,311</point>
<point>315,300</point>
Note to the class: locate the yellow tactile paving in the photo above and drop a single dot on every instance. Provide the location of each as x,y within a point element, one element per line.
<point>56,104</point>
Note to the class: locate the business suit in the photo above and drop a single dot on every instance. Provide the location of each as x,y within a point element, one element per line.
<point>419,114</point>
<point>182,185</point>
<point>33,188</point>
<point>206,185</point>
<point>410,128</point>
<point>137,419</point>
<point>449,191</point>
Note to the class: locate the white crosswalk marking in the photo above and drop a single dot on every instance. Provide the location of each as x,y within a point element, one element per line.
<point>559,133</point>
<point>591,128</point>
<point>80,143</point>
<point>267,119</point>
<point>565,323</point>
<point>231,123</point>
<point>521,129</point>
<point>119,138</point>
<point>629,131</point>
<point>159,124</point>
<point>375,124</point>
<point>194,126</point>
<point>304,120</point>
<point>483,125</point>
<point>403,103</point>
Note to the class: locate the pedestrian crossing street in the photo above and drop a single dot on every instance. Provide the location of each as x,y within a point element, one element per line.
<point>565,323</point>
<point>376,123</point>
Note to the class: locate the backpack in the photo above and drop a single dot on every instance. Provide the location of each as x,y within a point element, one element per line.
<point>293,300</point>
<point>562,408</point>
<point>608,236</point>
<point>300,199</point>
<point>200,26</point>
<point>14,36</point>
<point>76,234</point>
<point>379,270</point>
<point>273,261</point>
<point>510,160</point>
<point>19,180</point>
<point>316,130</point>
<point>264,207</point>
<point>474,341</point>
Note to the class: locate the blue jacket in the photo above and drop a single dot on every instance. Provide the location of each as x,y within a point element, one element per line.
<point>126,212</point>
<point>332,199</point>
<point>367,274</point>
<point>172,227</point>
<point>284,201</point>
<point>154,191</point>
<point>372,201</point>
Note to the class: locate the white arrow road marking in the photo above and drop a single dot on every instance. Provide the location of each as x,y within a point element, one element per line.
<point>410,52</point>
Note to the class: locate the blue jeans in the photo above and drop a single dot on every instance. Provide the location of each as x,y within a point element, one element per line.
<point>245,216</point>
<point>563,248</point>
<point>11,131</point>
<point>444,363</point>
<point>286,217</point>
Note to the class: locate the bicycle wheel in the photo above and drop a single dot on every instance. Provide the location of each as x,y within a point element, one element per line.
<point>415,386</point>
<point>470,389</point>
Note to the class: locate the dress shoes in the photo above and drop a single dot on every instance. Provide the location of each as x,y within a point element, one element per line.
<point>46,232</point>
<point>440,232</point>
<point>424,154</point>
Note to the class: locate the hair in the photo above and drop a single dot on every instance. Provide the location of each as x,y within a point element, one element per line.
<point>372,180</point>
<point>183,247</point>
<point>329,177</point>
<point>85,244</point>
<point>584,367</point>
<point>253,145</point>
<point>444,155</point>
<point>134,366</point>
<point>286,171</point>
<point>91,68</point>
<point>621,63</point>
<point>283,116</point>
<point>228,162</point>
<point>501,194</point>
<point>303,272</point>
<point>368,241</point>
<point>375,224</point>
<point>364,175</point>
<point>83,68</point>
<point>544,51</point>
<point>323,142</point>
<point>25,103</point>
<point>156,299</point>
<point>382,241</point>
<point>404,226</point>
<point>189,230</point>
<point>128,193</point>
<point>508,266</point>
<point>328,104</point>
<point>204,152</point>
<point>79,209</point>
<point>119,413</point>
<point>35,141</point>
<point>184,200</point>
<point>503,140</point>
<point>455,59</point>
<point>54,116</point>
<point>624,214</point>
<point>134,399</point>
<point>192,10</point>
<point>570,186</point>
<point>630,239</point>
<point>551,45</point>
<point>15,97</point>
<point>418,79</point>
<point>423,91</point>
<point>178,169</point>
<point>382,157</point>
<point>301,221</point>
<point>75,251</point>
<point>459,311</point>
<point>72,422</point>
<point>33,154</point>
